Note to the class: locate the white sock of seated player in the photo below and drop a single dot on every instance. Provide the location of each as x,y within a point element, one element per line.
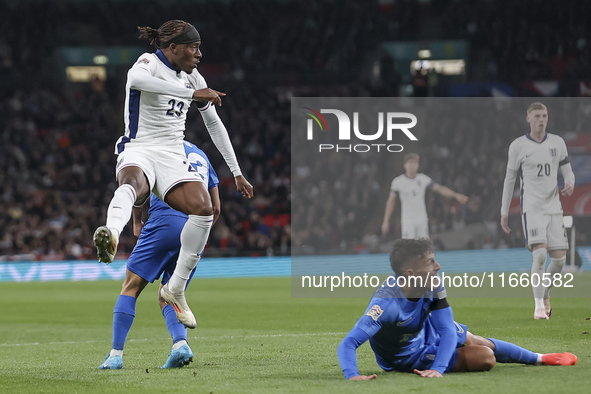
<point>119,211</point>
<point>555,267</point>
<point>538,267</point>
<point>193,239</point>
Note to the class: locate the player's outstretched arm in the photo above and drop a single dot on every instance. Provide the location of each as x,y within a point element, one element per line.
<point>443,322</point>
<point>208,94</point>
<point>364,377</point>
<point>513,165</point>
<point>243,186</point>
<point>347,353</point>
<point>214,193</point>
<point>141,79</point>
<point>569,179</point>
<point>219,136</point>
<point>140,217</point>
<point>388,212</point>
<point>447,192</point>
<point>508,186</point>
<point>428,373</point>
<point>505,223</point>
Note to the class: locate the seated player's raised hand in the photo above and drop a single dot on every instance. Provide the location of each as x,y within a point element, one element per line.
<point>429,373</point>
<point>363,377</point>
<point>208,94</point>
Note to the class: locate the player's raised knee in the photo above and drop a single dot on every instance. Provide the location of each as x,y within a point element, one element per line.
<point>201,210</point>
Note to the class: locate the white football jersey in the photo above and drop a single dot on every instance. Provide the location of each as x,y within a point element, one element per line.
<point>538,163</point>
<point>152,116</point>
<point>411,192</point>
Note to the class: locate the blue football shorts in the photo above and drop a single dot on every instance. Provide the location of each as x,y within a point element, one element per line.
<point>157,248</point>
<point>429,350</point>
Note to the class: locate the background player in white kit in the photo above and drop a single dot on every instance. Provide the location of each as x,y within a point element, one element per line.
<point>160,87</point>
<point>411,187</point>
<point>538,155</point>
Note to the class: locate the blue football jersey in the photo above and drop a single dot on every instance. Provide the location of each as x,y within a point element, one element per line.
<point>396,325</point>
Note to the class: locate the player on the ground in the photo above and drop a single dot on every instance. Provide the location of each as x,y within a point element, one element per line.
<point>411,327</point>
<point>411,187</point>
<point>155,255</point>
<point>160,87</point>
<point>537,156</point>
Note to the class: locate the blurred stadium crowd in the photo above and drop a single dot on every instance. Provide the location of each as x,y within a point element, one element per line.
<point>56,155</point>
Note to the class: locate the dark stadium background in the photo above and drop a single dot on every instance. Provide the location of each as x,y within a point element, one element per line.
<point>57,136</point>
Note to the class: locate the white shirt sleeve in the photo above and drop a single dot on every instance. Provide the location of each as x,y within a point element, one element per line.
<point>198,80</point>
<point>219,136</point>
<point>510,177</point>
<point>140,77</point>
<point>393,186</point>
<point>567,173</point>
<point>429,182</point>
<point>564,153</point>
<point>565,167</point>
<point>513,161</point>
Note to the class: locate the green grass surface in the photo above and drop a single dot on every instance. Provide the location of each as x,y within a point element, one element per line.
<point>252,337</point>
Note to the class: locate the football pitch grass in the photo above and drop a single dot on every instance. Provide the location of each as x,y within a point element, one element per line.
<point>252,337</point>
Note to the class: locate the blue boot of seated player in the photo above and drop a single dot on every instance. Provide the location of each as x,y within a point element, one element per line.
<point>112,362</point>
<point>180,357</point>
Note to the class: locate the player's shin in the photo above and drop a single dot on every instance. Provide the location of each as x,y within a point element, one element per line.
<point>119,211</point>
<point>193,239</point>
<point>537,269</point>
<point>506,352</point>
<point>177,331</point>
<point>555,267</point>
<point>123,316</point>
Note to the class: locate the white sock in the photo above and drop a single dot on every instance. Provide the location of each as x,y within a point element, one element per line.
<point>193,239</point>
<point>539,362</point>
<point>555,267</point>
<point>119,211</point>
<point>180,343</point>
<point>115,352</point>
<point>538,267</point>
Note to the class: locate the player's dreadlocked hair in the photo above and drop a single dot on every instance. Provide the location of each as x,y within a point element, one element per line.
<point>406,250</point>
<point>165,32</point>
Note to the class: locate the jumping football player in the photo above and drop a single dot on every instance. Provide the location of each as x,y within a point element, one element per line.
<point>160,87</point>
<point>411,187</point>
<point>537,157</point>
<point>155,255</point>
<point>411,328</point>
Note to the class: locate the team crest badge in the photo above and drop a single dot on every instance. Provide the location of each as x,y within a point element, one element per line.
<point>553,152</point>
<point>534,232</point>
<point>375,312</point>
<point>144,60</point>
<point>188,85</point>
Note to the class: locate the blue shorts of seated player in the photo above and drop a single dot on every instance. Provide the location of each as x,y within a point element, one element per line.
<point>157,249</point>
<point>423,359</point>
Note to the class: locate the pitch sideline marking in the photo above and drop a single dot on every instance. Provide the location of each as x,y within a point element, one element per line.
<point>168,338</point>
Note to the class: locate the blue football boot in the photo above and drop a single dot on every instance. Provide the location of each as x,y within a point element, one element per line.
<point>115,362</point>
<point>179,358</point>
